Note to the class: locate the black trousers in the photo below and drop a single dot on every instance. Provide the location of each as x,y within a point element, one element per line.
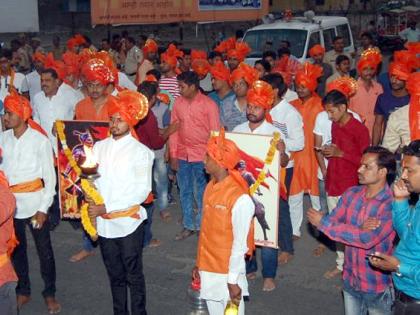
<point>123,259</point>
<point>45,254</point>
<point>404,305</point>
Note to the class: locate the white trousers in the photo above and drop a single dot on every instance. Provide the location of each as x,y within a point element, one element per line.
<point>296,210</point>
<point>332,203</point>
<point>218,307</point>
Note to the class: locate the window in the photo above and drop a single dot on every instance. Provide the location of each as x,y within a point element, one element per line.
<point>343,31</point>
<point>314,38</point>
<point>329,35</point>
<point>257,40</point>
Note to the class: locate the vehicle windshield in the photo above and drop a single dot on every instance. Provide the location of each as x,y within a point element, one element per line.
<point>258,39</point>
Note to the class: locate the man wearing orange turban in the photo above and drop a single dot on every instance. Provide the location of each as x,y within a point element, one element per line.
<point>305,172</point>
<point>317,53</point>
<point>399,70</point>
<point>233,110</point>
<point>168,67</point>
<point>260,99</point>
<point>220,76</point>
<point>150,50</point>
<point>237,55</point>
<point>120,220</point>
<point>32,83</point>
<point>216,269</point>
<point>368,89</point>
<point>29,166</point>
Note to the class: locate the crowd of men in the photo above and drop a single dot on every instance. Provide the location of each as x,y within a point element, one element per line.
<point>346,131</point>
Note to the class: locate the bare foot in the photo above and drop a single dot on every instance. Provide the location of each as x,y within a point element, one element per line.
<point>52,304</point>
<point>165,215</point>
<point>81,255</point>
<point>155,243</point>
<point>22,300</point>
<point>284,258</point>
<point>251,276</point>
<point>319,250</point>
<point>330,274</point>
<point>295,238</point>
<point>269,284</point>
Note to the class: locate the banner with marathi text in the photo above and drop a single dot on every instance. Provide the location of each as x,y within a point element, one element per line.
<point>169,11</point>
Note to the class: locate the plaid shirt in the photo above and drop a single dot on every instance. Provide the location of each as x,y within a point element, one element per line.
<point>344,225</point>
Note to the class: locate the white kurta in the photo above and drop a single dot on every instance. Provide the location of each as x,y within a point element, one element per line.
<point>125,168</point>
<point>32,84</point>
<point>59,107</point>
<point>214,285</point>
<point>26,159</point>
<point>5,81</point>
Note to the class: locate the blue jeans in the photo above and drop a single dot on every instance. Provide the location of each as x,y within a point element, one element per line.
<point>192,181</point>
<point>148,236</point>
<point>160,178</point>
<point>323,196</point>
<point>269,255</point>
<point>360,303</point>
<point>88,244</point>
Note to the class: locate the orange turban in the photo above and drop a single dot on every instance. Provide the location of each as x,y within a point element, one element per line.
<point>240,51</point>
<point>220,72</point>
<point>96,70</point>
<point>260,94</point>
<point>198,54</point>
<point>72,63</point>
<point>109,62</point>
<point>201,67</point>
<point>226,45</point>
<point>76,40</point>
<point>20,106</point>
<point>413,87</point>
<point>150,78</point>
<point>171,55</point>
<point>404,63</point>
<point>282,67</point>
<point>56,65</point>
<point>39,57</point>
<point>316,50</point>
<point>345,85</point>
<point>246,72</point>
<point>85,54</point>
<point>132,106</point>
<point>150,46</point>
<point>413,47</point>
<point>308,76</point>
<point>371,57</point>
<point>226,154</point>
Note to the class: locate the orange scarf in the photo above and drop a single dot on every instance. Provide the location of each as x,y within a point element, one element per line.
<point>413,88</point>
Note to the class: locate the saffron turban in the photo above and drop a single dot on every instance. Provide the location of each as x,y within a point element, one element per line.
<point>308,76</point>
<point>20,106</point>
<point>198,54</point>
<point>226,154</point>
<point>246,72</point>
<point>345,85</point>
<point>109,62</point>
<point>240,51</point>
<point>171,55</point>
<point>316,50</point>
<point>76,40</point>
<point>57,65</point>
<point>226,45</point>
<point>405,62</point>
<point>413,87</point>
<point>72,63</point>
<point>260,94</point>
<point>201,67</point>
<point>132,106</point>
<point>282,67</point>
<point>150,46</point>
<point>96,70</point>
<point>220,72</point>
<point>371,57</point>
<point>39,57</point>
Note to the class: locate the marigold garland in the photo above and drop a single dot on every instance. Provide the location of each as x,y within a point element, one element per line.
<point>87,188</point>
<point>267,162</point>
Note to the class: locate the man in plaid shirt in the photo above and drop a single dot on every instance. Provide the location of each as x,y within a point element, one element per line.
<point>362,221</point>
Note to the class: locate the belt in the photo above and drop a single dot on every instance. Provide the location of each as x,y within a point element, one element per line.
<point>4,259</point>
<point>131,74</point>
<point>399,295</point>
<point>30,186</point>
<point>131,212</point>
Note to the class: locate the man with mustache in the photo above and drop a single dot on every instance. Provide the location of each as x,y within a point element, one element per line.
<point>405,263</point>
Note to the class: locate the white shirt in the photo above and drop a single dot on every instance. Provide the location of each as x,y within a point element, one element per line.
<point>32,83</point>
<point>26,159</point>
<point>59,107</point>
<point>322,128</point>
<point>125,82</point>
<point>214,285</point>
<point>206,84</point>
<point>288,119</point>
<point>125,167</point>
<point>17,82</point>
<point>134,56</point>
<point>290,95</point>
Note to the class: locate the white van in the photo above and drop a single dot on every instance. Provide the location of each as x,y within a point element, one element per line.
<point>301,32</point>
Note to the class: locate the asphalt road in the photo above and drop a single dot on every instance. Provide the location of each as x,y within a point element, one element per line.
<point>83,289</point>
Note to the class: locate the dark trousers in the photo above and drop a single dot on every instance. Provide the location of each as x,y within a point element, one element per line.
<point>404,306</point>
<point>123,261</point>
<point>45,254</point>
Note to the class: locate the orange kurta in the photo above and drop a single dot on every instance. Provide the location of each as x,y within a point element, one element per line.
<point>216,235</point>
<point>85,110</point>
<point>305,172</point>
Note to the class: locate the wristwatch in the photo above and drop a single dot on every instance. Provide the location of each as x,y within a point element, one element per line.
<point>397,271</point>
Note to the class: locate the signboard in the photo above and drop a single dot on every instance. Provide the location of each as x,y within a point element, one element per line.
<point>18,16</point>
<point>169,11</point>
<point>253,151</point>
<point>77,135</point>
